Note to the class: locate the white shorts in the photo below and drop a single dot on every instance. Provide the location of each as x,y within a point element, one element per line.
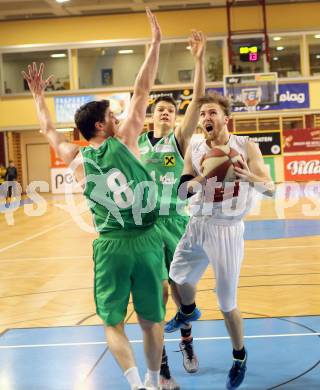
<point>220,243</point>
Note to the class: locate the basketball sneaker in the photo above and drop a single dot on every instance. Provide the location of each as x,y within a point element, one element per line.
<point>237,373</point>
<point>190,360</point>
<point>181,319</point>
<point>148,385</point>
<point>167,382</point>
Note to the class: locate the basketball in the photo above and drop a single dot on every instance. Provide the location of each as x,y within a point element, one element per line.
<point>220,162</point>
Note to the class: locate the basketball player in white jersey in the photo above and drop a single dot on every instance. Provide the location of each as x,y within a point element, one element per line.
<point>215,231</point>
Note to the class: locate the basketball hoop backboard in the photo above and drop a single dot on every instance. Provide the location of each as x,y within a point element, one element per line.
<point>252,89</point>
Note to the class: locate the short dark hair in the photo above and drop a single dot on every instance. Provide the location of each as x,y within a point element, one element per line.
<point>165,98</point>
<point>88,114</point>
<point>215,97</point>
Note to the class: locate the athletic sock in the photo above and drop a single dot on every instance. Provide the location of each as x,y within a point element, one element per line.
<point>164,361</point>
<point>186,333</point>
<point>133,377</point>
<point>240,355</point>
<point>187,309</point>
<point>153,378</point>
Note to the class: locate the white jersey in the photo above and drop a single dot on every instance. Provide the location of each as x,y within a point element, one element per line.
<point>232,208</point>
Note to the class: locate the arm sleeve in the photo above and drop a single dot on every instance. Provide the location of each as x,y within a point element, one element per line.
<point>183,193</point>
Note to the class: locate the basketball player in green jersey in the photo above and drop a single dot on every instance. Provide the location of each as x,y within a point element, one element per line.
<point>162,152</point>
<point>128,253</point>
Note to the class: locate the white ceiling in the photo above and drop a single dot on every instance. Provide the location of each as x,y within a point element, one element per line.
<point>35,9</point>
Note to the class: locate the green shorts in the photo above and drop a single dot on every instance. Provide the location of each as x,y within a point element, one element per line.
<point>171,230</point>
<point>128,262</point>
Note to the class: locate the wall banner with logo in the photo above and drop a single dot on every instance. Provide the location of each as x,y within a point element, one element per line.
<point>269,161</point>
<point>301,140</point>
<point>302,168</point>
<point>61,175</point>
<point>66,106</point>
<point>291,96</point>
<point>181,97</point>
<point>269,142</point>
<point>61,178</point>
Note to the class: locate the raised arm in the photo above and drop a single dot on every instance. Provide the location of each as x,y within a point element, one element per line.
<point>255,172</point>
<point>132,125</point>
<point>64,149</point>
<point>183,133</point>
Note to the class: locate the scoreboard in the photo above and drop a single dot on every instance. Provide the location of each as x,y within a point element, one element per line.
<point>249,53</point>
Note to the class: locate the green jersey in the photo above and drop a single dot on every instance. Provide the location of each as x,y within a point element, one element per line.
<point>165,164</point>
<point>120,192</point>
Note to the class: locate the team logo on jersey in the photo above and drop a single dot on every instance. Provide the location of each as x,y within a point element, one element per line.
<point>144,149</point>
<point>169,160</point>
<point>164,148</point>
<point>168,178</point>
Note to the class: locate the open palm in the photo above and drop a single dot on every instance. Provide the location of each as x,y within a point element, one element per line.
<point>155,28</point>
<point>34,79</point>
<point>197,43</point>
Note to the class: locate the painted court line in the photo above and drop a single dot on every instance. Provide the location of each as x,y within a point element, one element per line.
<point>34,236</point>
<point>266,336</point>
<point>45,258</point>
<point>281,247</point>
<point>279,265</point>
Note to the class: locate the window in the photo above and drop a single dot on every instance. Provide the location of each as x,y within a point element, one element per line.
<point>285,55</point>
<point>313,42</point>
<point>56,63</point>
<point>214,61</point>
<point>316,120</point>
<point>176,64</point>
<point>247,56</point>
<point>268,124</point>
<point>295,122</point>
<point>245,125</point>
<point>115,66</point>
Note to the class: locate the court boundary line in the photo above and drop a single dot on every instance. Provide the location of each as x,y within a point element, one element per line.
<point>88,256</point>
<point>17,243</point>
<point>140,341</point>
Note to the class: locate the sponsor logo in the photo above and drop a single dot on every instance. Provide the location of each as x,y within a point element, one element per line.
<point>292,97</point>
<point>154,160</point>
<point>169,161</point>
<point>164,148</point>
<point>144,150</point>
<point>275,149</point>
<point>303,167</point>
<point>168,178</point>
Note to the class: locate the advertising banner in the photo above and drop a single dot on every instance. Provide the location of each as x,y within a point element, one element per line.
<point>269,142</point>
<point>66,106</point>
<point>292,96</point>
<point>301,140</point>
<point>269,161</point>
<point>60,178</point>
<point>181,97</point>
<point>302,168</point>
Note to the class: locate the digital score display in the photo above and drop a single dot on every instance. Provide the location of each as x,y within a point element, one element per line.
<point>249,53</point>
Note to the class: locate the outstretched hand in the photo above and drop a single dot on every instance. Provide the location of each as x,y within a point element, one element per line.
<point>155,28</point>
<point>34,79</point>
<point>197,43</point>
